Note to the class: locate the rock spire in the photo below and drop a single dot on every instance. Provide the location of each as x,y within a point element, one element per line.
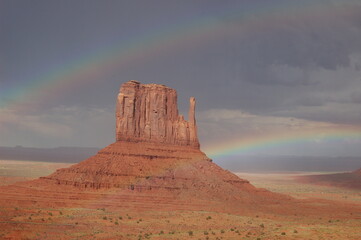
<point>149,113</point>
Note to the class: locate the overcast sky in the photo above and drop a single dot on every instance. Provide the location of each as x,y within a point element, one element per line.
<point>257,68</point>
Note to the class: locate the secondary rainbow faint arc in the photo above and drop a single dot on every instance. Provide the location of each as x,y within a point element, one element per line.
<point>172,39</point>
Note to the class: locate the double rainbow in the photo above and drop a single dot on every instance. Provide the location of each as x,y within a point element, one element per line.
<point>171,39</point>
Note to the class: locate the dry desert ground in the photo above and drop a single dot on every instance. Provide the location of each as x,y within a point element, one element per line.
<point>102,222</point>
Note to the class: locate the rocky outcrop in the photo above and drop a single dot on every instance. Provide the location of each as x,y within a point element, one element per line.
<point>155,149</point>
<point>149,113</point>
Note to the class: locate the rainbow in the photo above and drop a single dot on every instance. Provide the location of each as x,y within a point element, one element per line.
<point>95,66</point>
<point>276,139</point>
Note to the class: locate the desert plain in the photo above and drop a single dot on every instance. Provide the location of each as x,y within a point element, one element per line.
<point>109,222</point>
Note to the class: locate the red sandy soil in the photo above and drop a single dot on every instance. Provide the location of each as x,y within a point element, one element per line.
<point>11,180</point>
<point>351,180</point>
<point>141,191</point>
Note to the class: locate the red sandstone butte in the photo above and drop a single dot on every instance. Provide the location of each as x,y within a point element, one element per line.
<point>156,162</point>
<point>149,113</point>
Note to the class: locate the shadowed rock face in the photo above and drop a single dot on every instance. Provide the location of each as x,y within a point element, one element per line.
<point>149,113</point>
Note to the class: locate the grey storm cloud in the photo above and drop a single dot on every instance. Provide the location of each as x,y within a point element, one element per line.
<point>316,41</point>
<point>356,97</point>
<point>283,65</point>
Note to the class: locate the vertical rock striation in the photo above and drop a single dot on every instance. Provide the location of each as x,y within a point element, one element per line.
<point>149,113</point>
<point>192,121</point>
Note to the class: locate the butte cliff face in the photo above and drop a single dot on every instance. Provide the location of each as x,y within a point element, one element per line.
<point>149,113</point>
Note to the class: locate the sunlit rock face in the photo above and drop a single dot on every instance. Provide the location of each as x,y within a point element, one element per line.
<point>149,113</point>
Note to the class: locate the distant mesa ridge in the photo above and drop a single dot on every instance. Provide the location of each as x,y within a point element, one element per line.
<point>350,180</point>
<point>149,113</point>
